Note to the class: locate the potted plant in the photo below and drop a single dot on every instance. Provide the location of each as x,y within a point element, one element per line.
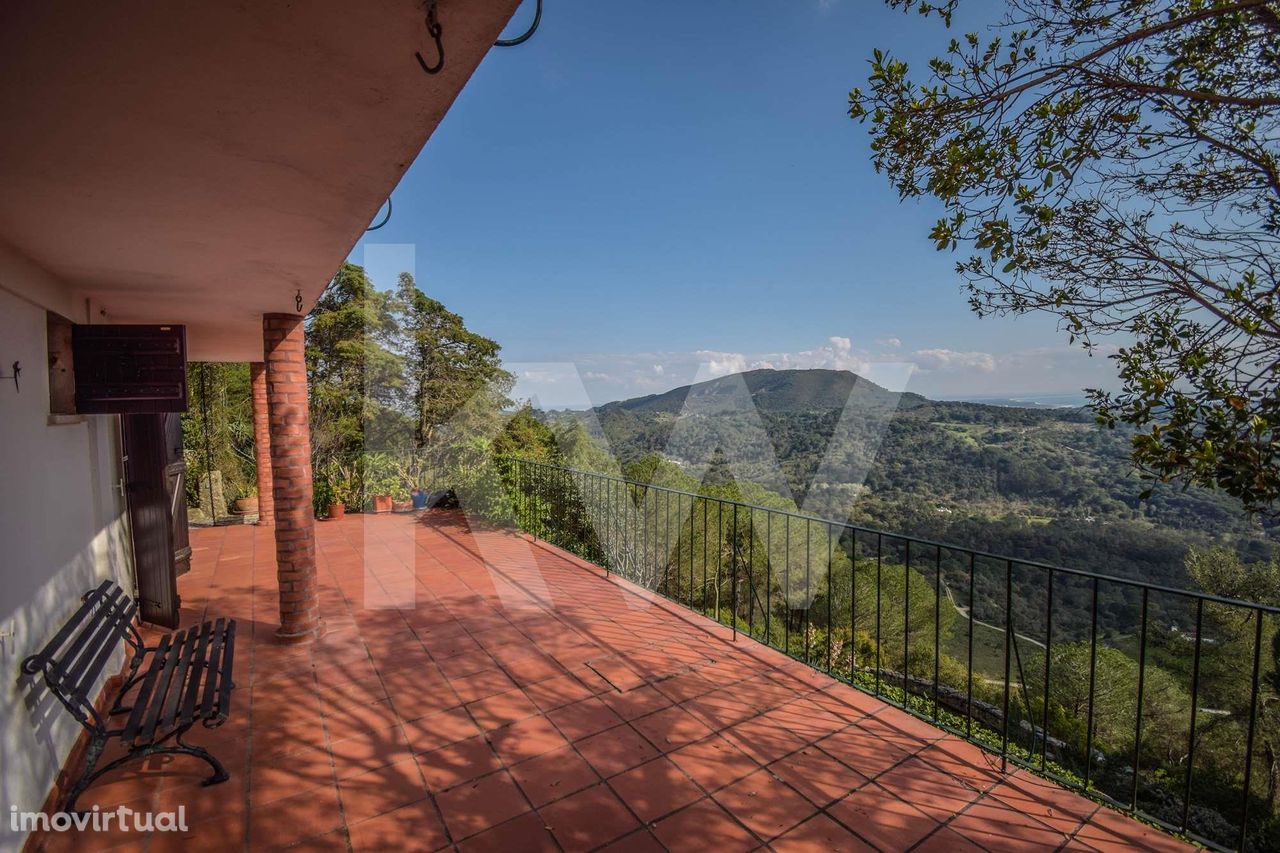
<point>382,497</point>
<point>379,480</point>
<point>383,493</point>
<point>341,493</point>
<point>248,504</point>
<point>400,499</point>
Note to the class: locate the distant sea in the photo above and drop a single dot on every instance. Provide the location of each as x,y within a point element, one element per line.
<point>1030,401</point>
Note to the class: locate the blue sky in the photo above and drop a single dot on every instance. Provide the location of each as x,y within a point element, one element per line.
<point>656,192</point>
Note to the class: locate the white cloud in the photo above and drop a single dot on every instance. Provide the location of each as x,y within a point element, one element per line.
<point>722,363</point>
<point>837,354</point>
<point>893,343</point>
<point>658,369</point>
<point>951,360</point>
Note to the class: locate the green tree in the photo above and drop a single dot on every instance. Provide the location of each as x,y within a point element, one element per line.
<point>1228,667</point>
<point>353,372</point>
<point>582,451</point>
<point>1166,706</point>
<point>217,429</point>
<point>526,437</point>
<point>447,365</point>
<point>1114,163</point>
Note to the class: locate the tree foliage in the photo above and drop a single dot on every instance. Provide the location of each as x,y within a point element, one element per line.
<point>1166,707</point>
<point>1114,163</point>
<point>446,364</point>
<point>217,431</point>
<point>402,393</point>
<point>1042,485</point>
<point>354,374</point>
<point>1230,667</point>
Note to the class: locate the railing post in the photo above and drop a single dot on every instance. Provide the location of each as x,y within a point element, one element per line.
<point>1008,649</point>
<point>1093,675</point>
<point>719,551</point>
<point>1048,658</point>
<point>733,557</point>
<point>937,628</point>
<point>786,585</point>
<point>968,721</point>
<point>1253,719</point>
<point>1142,678</point>
<point>645,556</point>
<point>1195,701</point>
<point>751,560</point>
<point>853,603</point>
<point>706,543</point>
<point>808,587</point>
<point>830,563</point>
<point>768,577</point>
<point>906,624</point>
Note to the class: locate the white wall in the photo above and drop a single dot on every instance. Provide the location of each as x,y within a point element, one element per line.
<point>62,530</point>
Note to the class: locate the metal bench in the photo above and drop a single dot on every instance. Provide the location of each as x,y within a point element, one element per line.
<point>183,680</point>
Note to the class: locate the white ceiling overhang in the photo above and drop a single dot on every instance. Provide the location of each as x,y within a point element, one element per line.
<point>202,163</point>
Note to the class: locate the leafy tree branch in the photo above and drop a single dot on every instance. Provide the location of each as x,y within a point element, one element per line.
<point>1116,164</point>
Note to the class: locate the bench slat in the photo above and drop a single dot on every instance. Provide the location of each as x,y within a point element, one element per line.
<point>88,668</point>
<point>140,704</point>
<point>162,690</point>
<point>87,625</point>
<point>50,650</point>
<point>83,673</point>
<point>215,658</point>
<point>200,667</point>
<point>225,683</point>
<point>180,679</point>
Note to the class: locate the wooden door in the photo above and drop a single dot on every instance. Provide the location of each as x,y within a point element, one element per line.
<point>175,474</point>
<point>147,485</point>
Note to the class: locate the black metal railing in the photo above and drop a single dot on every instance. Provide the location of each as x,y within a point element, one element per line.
<point>1144,696</point>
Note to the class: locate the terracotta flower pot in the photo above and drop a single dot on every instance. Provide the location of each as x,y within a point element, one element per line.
<point>337,510</point>
<point>247,505</point>
<point>382,503</point>
<point>402,506</point>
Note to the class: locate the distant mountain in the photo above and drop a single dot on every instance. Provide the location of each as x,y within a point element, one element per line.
<point>832,429</point>
<point>1043,483</point>
<point>771,391</point>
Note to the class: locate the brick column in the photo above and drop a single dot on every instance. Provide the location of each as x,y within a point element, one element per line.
<point>262,442</point>
<point>290,429</point>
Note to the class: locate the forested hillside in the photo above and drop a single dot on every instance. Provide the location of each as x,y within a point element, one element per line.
<point>1035,484</point>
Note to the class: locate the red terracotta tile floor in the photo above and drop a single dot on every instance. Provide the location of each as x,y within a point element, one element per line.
<point>481,691</point>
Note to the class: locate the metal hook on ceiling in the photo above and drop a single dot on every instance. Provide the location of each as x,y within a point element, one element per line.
<point>384,219</point>
<point>436,32</point>
<point>521,39</point>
